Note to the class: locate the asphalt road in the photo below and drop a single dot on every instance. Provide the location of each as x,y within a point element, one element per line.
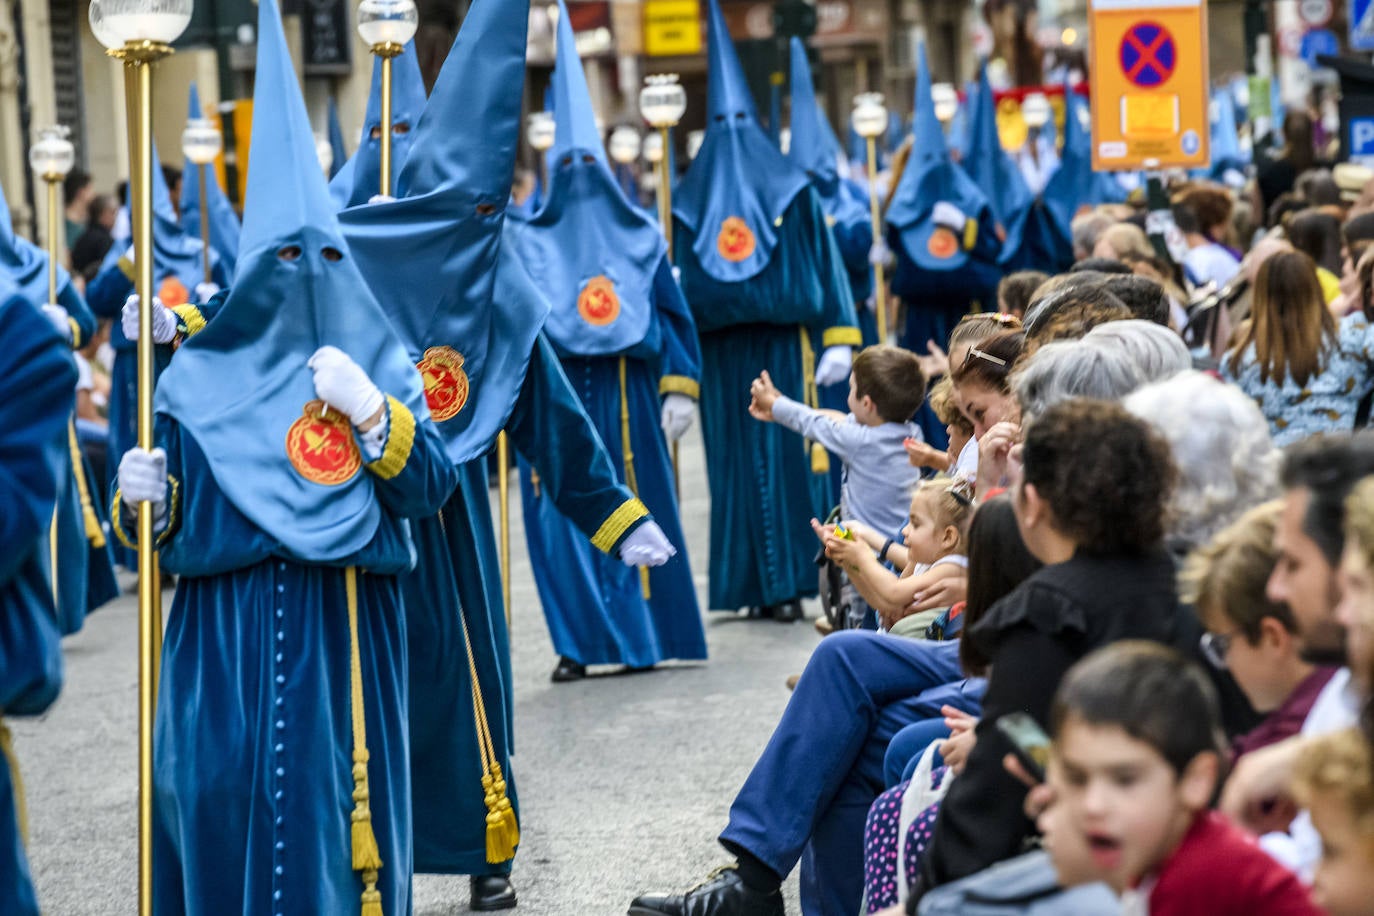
<point>625,780</point>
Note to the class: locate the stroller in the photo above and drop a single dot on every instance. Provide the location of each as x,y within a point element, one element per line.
<point>841,603</point>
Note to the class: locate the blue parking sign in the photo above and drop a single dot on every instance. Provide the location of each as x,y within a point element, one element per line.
<point>1362,136</point>
<point>1362,25</point>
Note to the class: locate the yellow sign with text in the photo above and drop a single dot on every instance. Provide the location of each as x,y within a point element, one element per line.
<point>672,27</point>
<point>1148,72</point>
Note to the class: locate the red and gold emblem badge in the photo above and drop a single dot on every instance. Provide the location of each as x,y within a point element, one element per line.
<point>597,303</point>
<point>942,243</point>
<point>446,384</point>
<point>321,446</point>
<point>173,292</point>
<point>736,240</point>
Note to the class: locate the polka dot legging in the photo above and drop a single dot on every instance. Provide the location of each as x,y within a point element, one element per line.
<point>880,844</point>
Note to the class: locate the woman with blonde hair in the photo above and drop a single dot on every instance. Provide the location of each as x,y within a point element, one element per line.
<point>1307,372</point>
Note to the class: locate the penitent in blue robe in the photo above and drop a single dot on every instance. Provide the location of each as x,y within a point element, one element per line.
<point>594,604</point>
<point>763,490</point>
<point>37,396</point>
<point>252,779</point>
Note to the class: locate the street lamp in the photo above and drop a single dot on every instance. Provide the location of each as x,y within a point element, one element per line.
<point>386,26</point>
<point>869,120</point>
<point>140,33</point>
<point>662,103</point>
<point>624,146</point>
<point>946,99</point>
<point>200,144</point>
<point>1035,110</point>
<point>539,133</point>
<point>51,158</point>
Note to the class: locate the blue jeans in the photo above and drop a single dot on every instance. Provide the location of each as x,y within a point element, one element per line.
<point>808,795</point>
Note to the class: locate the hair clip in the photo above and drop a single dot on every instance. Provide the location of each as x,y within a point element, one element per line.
<point>961,488</point>
<point>983,354</point>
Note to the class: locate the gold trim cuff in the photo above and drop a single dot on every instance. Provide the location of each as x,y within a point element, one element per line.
<point>842,337</point>
<point>190,319</point>
<point>619,522</point>
<point>116,510</point>
<point>970,234</point>
<point>76,333</point>
<point>400,439</point>
<point>126,267</point>
<point>680,384</point>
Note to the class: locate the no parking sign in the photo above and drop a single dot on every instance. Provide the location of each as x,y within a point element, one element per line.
<point>1149,84</point>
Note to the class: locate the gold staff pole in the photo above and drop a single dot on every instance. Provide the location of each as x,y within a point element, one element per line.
<point>200,144</point>
<point>662,103</point>
<point>386,26</point>
<point>141,32</point>
<point>52,157</point>
<point>869,120</point>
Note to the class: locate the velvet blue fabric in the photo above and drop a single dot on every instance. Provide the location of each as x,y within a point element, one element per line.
<point>738,175</point>
<point>37,396</point>
<point>250,361</point>
<point>224,222</point>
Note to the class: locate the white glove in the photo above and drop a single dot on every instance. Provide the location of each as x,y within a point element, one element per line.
<point>950,216</point>
<point>677,275</point>
<point>647,545</point>
<point>834,364</point>
<point>58,316</point>
<point>164,320</point>
<point>129,255</point>
<point>143,477</point>
<point>380,199</point>
<point>205,291</point>
<point>880,254</point>
<point>343,385</point>
<point>871,303</point>
<point>678,410</point>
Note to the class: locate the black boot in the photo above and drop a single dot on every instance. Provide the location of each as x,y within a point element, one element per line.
<point>491,892</point>
<point>788,611</point>
<point>568,670</point>
<point>723,893</point>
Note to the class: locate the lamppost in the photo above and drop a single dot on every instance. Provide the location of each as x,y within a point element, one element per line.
<point>141,32</point>
<point>324,152</point>
<point>946,99</point>
<point>51,158</point>
<point>869,120</point>
<point>624,146</point>
<point>386,26</point>
<point>539,134</point>
<point>662,103</point>
<point>200,144</point>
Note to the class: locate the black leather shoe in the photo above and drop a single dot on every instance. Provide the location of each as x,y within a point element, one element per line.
<point>788,611</point>
<point>723,893</point>
<point>568,670</point>
<point>491,892</point>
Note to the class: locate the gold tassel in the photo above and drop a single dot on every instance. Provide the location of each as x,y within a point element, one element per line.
<point>94,534</point>
<point>820,459</point>
<point>21,806</point>
<point>503,832</point>
<point>367,858</point>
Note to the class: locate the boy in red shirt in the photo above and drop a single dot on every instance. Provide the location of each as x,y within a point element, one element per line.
<point>1136,760</point>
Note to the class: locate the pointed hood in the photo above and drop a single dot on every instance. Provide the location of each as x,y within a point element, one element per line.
<point>811,147</point>
<point>339,155</point>
<point>363,178</point>
<point>462,299</point>
<point>177,263</point>
<point>739,184</point>
<point>24,265</point>
<point>591,253</point>
<point>224,222</point>
<point>991,169</point>
<point>930,178</point>
<point>1075,184</point>
<point>278,457</point>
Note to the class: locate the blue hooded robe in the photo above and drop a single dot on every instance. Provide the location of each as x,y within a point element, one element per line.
<point>471,317</point>
<point>224,222</point>
<point>274,511</point>
<point>37,397</point>
<point>177,268</point>
<point>615,308</point>
<point>85,561</point>
<point>767,287</point>
<point>941,270</point>
<point>358,180</point>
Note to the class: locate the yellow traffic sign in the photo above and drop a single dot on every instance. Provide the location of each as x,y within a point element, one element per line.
<point>672,27</point>
<point>1148,72</point>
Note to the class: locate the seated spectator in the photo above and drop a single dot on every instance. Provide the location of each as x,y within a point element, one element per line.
<point>1091,503</point>
<point>1249,635</point>
<point>1015,291</point>
<point>1306,372</point>
<point>1136,758</point>
<point>1334,779</point>
<point>983,385</point>
<point>971,330</point>
<point>961,459</point>
<point>998,563</point>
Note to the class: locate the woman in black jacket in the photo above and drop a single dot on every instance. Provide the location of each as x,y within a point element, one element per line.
<point>1091,506</point>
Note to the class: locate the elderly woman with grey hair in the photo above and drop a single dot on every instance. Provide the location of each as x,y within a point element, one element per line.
<point>1158,351</point>
<point>1227,462</point>
<point>1065,369</point>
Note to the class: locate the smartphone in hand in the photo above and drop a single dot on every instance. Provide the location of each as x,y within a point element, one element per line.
<point>1029,742</point>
